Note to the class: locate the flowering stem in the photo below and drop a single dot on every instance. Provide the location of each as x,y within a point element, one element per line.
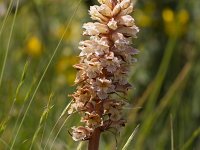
<point>105,61</point>
<point>94,140</point>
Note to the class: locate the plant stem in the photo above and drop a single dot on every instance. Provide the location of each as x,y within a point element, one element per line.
<point>94,140</point>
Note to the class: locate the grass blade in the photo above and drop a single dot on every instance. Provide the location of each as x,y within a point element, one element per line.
<point>43,75</point>
<point>42,119</point>
<point>62,114</point>
<point>59,131</point>
<point>6,16</point>
<point>23,76</point>
<point>8,44</point>
<point>195,135</point>
<point>172,132</point>
<point>165,101</point>
<point>4,142</point>
<point>130,139</point>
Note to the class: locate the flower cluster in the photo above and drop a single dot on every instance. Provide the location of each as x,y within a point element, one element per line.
<point>105,61</point>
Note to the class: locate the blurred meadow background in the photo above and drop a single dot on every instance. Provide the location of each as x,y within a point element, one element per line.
<point>38,46</point>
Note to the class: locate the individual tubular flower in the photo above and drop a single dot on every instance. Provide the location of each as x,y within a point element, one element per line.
<point>103,87</point>
<point>105,61</point>
<point>92,119</point>
<point>81,133</point>
<point>95,28</point>
<point>95,45</point>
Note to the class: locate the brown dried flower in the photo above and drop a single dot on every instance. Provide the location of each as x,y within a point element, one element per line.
<point>81,133</point>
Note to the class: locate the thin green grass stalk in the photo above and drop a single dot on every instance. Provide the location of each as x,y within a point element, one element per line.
<point>39,146</point>
<point>59,131</point>
<point>80,146</point>
<point>140,102</point>
<point>160,76</point>
<point>43,119</point>
<point>158,81</point>
<point>130,139</point>
<point>62,114</point>
<point>172,132</point>
<point>23,76</point>
<point>8,44</point>
<point>149,90</point>
<point>4,142</point>
<point>43,131</point>
<point>22,108</point>
<point>3,124</point>
<point>22,79</point>
<point>165,101</point>
<point>6,16</point>
<point>64,111</point>
<point>42,77</point>
<point>189,142</point>
<point>152,90</point>
<point>179,81</point>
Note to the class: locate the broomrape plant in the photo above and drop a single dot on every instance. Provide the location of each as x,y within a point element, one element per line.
<point>105,61</point>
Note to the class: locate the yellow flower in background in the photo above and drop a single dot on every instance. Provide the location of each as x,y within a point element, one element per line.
<point>59,31</point>
<point>175,23</point>
<point>66,62</point>
<point>70,78</point>
<point>34,46</point>
<point>183,16</point>
<point>66,78</point>
<point>168,15</point>
<point>64,68</point>
<point>171,28</point>
<point>150,8</point>
<point>143,19</point>
<point>72,34</point>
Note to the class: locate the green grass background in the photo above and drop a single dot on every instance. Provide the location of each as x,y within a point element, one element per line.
<point>38,46</point>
